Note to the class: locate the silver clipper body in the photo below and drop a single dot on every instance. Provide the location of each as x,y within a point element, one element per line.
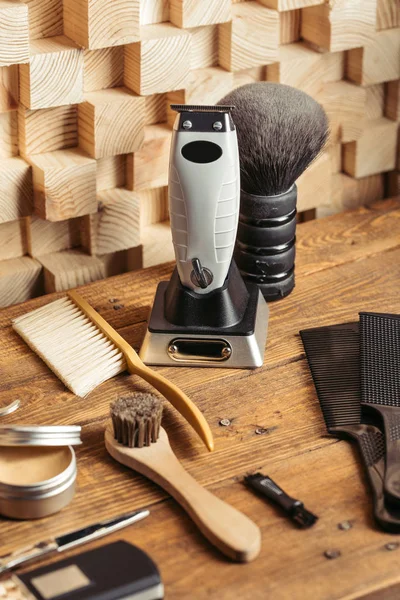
<point>205,315</point>
<point>204,195</point>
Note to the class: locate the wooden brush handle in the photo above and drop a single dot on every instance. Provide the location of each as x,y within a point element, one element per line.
<point>177,398</point>
<point>135,365</point>
<point>229,530</point>
<point>234,534</point>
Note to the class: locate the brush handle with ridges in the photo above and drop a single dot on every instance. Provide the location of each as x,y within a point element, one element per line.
<point>135,366</point>
<point>177,398</point>
<point>233,533</point>
<point>371,446</point>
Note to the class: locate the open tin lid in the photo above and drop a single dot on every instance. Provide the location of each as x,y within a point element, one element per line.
<point>40,435</point>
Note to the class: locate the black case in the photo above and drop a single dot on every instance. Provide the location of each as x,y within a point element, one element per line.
<point>116,571</point>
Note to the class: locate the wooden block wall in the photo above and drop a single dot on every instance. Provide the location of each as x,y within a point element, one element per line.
<point>85,123</point>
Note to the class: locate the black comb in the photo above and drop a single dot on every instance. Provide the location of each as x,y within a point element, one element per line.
<point>333,354</point>
<point>380,386</point>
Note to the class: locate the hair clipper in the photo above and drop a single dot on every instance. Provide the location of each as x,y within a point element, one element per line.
<point>204,194</point>
<point>206,315</point>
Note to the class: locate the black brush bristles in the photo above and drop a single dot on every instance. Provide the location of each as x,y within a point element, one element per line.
<point>136,419</point>
<point>280,131</point>
<point>333,354</point>
<point>380,359</point>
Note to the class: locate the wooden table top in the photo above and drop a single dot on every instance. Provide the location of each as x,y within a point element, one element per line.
<point>345,263</point>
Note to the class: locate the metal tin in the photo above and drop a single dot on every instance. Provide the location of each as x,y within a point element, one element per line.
<point>49,495</point>
<point>40,499</point>
<point>28,435</point>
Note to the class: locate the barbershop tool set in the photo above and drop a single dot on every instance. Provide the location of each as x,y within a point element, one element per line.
<point>232,198</point>
<point>356,371</point>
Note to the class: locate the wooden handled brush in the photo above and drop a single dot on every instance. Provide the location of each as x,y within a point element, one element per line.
<point>83,350</point>
<point>136,439</point>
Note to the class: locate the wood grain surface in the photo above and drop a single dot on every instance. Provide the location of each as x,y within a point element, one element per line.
<point>14,33</point>
<point>345,263</point>
<point>64,184</point>
<point>339,24</point>
<point>115,226</point>
<point>190,13</point>
<point>15,189</point>
<point>158,63</point>
<point>8,88</point>
<point>54,75</point>
<point>101,24</point>
<point>378,62</point>
<point>47,130</point>
<point>111,122</point>
<point>204,47</point>
<point>235,48</point>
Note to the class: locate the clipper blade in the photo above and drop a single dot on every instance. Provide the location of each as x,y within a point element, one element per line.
<point>202,108</point>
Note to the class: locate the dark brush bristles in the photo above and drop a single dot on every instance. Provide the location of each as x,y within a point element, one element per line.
<point>333,354</point>
<point>136,419</point>
<point>280,131</point>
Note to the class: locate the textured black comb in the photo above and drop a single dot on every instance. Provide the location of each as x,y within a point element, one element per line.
<point>333,354</point>
<point>380,386</point>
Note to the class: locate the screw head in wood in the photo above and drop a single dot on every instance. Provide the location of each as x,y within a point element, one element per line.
<point>261,431</point>
<point>345,525</point>
<point>225,422</point>
<point>392,546</point>
<point>331,554</point>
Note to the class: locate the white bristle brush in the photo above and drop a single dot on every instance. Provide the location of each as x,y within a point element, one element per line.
<point>83,350</point>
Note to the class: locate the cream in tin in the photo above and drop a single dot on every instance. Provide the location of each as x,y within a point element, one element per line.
<point>35,480</point>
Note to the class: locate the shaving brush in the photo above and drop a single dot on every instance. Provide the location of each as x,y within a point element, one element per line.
<point>280,130</point>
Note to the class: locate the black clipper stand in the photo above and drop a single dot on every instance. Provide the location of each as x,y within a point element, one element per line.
<point>265,244</point>
<point>225,328</point>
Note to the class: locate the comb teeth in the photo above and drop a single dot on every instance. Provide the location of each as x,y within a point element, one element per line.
<point>71,345</point>
<point>333,355</point>
<point>380,359</point>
